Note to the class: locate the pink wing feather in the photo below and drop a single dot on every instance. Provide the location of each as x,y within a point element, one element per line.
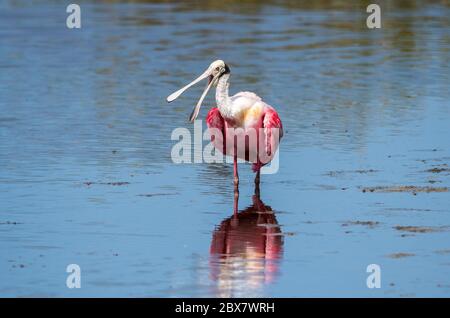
<point>272,121</point>
<point>215,120</point>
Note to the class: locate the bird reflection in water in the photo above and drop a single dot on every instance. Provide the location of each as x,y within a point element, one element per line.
<point>245,251</point>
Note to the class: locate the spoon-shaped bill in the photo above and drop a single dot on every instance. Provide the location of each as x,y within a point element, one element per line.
<point>196,109</point>
<point>177,94</point>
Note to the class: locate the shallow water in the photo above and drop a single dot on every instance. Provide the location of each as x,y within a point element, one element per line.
<point>85,142</point>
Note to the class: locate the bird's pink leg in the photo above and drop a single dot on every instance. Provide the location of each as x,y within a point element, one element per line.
<point>235,166</point>
<point>257,177</point>
<point>236,180</point>
<point>236,201</point>
<point>236,176</point>
<point>257,180</point>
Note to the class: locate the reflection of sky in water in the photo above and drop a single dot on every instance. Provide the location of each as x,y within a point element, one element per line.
<point>88,106</point>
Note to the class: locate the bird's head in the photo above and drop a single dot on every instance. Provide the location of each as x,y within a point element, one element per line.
<point>215,70</point>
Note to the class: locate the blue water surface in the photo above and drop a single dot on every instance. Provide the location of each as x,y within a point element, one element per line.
<point>86,175</point>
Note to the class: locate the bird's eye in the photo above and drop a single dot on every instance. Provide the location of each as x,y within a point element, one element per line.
<point>217,68</point>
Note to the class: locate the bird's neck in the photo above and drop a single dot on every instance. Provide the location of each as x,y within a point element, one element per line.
<point>223,100</point>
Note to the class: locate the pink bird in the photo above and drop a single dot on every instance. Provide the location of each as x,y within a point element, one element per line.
<point>238,118</point>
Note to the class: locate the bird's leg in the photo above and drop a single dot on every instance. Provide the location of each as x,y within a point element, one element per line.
<point>236,180</point>
<point>235,166</point>
<point>236,201</point>
<point>257,180</point>
<point>236,176</point>
<point>257,177</point>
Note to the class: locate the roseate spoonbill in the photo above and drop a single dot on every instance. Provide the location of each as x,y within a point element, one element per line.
<point>237,118</point>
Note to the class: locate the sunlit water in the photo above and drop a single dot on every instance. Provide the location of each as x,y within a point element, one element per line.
<point>85,142</point>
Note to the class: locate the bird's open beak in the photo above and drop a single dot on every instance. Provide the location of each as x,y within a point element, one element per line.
<point>211,80</point>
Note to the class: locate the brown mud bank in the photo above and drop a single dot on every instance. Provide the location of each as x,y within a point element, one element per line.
<point>117,183</point>
<point>421,229</point>
<point>411,189</point>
